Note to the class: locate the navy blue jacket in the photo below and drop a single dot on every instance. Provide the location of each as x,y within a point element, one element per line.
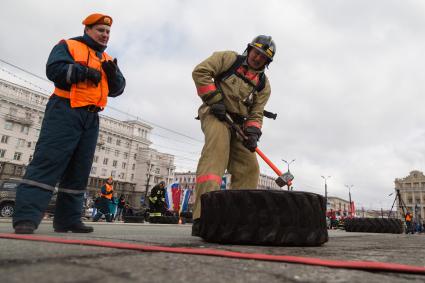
<point>60,59</point>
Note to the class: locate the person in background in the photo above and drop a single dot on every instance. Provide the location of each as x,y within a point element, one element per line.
<point>157,204</point>
<point>113,206</point>
<point>409,225</point>
<point>120,208</point>
<point>106,193</point>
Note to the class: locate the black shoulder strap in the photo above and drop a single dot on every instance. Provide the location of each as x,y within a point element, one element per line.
<point>232,70</point>
<point>262,83</point>
<point>239,60</point>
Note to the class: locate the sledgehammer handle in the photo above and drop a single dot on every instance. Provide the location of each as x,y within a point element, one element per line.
<point>229,120</point>
<point>261,154</point>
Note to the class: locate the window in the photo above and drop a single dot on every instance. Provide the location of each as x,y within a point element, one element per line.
<point>117,152</point>
<point>24,129</point>
<point>30,158</point>
<point>103,172</point>
<point>127,144</point>
<point>132,177</point>
<point>29,144</point>
<point>107,150</point>
<point>4,139</point>
<point>114,163</point>
<point>157,170</point>
<point>95,158</point>
<point>113,173</point>
<point>2,152</point>
<point>123,165</point>
<point>8,125</point>
<point>109,140</point>
<point>125,155</point>
<point>118,142</point>
<point>17,156</point>
<point>105,161</point>
<point>37,133</point>
<point>134,166</point>
<point>40,119</point>
<point>28,115</point>
<point>20,143</point>
<point>93,170</point>
<point>135,156</point>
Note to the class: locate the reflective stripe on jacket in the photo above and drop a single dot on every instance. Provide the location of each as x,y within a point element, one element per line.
<point>86,93</point>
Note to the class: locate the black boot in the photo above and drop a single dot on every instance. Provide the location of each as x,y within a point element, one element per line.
<point>196,227</point>
<point>24,227</point>
<point>75,228</point>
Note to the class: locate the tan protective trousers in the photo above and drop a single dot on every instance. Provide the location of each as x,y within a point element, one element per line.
<point>222,150</point>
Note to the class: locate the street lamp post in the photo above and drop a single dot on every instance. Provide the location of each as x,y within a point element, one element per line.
<point>326,190</point>
<point>287,163</point>
<point>349,197</point>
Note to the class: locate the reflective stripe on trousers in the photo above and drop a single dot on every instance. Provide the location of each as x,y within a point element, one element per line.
<point>221,151</point>
<point>63,154</point>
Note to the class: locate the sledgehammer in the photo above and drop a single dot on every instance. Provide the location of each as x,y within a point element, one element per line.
<point>282,179</point>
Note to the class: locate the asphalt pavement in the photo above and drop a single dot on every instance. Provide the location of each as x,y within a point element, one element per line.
<point>28,261</point>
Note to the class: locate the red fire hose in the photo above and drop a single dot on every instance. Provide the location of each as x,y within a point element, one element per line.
<point>361,265</point>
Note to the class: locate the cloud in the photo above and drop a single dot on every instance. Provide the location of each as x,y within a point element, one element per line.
<point>347,80</point>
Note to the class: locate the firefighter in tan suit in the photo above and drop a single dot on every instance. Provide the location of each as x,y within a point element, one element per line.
<point>236,84</point>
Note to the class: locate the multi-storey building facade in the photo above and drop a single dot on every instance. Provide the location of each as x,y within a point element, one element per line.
<point>156,167</point>
<point>123,148</point>
<point>339,205</point>
<point>412,193</point>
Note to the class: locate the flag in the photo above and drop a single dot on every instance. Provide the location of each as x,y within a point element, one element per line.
<point>185,200</point>
<point>172,197</point>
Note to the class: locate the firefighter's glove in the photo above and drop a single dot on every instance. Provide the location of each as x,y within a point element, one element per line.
<point>110,68</point>
<point>253,134</point>
<point>93,75</point>
<point>219,110</point>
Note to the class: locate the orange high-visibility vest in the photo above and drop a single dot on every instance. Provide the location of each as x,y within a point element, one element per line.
<point>86,92</point>
<point>408,217</point>
<point>109,188</point>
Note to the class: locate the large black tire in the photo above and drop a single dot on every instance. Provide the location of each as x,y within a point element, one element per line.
<point>374,225</point>
<point>164,219</point>
<point>186,214</point>
<point>263,217</point>
<point>134,219</point>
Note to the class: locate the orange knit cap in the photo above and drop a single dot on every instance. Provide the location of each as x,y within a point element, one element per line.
<point>97,19</point>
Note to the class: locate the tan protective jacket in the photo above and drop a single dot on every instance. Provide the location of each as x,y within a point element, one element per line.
<point>235,89</point>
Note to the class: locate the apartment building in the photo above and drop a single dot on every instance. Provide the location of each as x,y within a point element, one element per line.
<point>412,194</point>
<point>123,148</point>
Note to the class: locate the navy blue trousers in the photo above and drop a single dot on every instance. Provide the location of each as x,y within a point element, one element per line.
<point>63,157</point>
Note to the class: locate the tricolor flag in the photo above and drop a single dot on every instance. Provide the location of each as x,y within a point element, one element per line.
<point>185,200</point>
<point>172,197</point>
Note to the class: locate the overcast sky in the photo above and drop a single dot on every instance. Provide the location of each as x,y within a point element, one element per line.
<point>347,80</point>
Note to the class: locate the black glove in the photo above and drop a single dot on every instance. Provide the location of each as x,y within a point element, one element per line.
<point>219,110</point>
<point>110,68</point>
<point>93,75</point>
<point>253,134</point>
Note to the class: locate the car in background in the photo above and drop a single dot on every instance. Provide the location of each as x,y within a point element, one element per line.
<point>8,195</point>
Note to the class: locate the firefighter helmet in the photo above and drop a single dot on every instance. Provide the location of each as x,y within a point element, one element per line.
<point>265,45</point>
